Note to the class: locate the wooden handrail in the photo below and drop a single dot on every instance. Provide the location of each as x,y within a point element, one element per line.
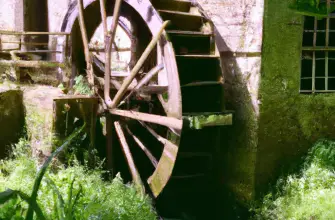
<point>32,33</point>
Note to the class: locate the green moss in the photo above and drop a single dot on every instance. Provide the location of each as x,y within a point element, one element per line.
<point>289,121</point>
<point>239,140</point>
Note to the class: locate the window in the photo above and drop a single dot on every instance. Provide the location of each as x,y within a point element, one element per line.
<point>318,55</point>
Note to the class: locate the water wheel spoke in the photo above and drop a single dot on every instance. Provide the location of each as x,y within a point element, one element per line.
<point>144,148</point>
<point>144,80</point>
<point>139,64</point>
<point>125,148</point>
<point>170,122</point>
<point>151,131</point>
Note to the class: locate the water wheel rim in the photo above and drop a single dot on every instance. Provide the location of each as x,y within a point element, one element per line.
<point>173,105</point>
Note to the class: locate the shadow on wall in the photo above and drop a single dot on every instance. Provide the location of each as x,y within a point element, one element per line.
<point>238,142</point>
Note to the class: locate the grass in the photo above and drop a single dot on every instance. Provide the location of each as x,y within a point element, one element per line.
<point>81,189</point>
<point>307,194</point>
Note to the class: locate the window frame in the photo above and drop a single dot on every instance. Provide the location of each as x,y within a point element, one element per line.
<point>314,49</point>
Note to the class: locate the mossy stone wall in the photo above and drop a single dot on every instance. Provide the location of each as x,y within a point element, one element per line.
<point>289,122</point>
<point>11,118</point>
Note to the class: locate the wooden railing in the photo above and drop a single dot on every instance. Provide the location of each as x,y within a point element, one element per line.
<point>27,46</point>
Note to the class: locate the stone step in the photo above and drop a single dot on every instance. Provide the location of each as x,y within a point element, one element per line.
<point>196,98</point>
<point>198,68</point>
<point>172,5</point>
<point>186,44</point>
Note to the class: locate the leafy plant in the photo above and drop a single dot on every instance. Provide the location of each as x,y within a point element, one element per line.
<point>309,194</point>
<point>32,200</point>
<point>69,192</point>
<point>65,210</point>
<point>81,86</point>
<point>315,8</point>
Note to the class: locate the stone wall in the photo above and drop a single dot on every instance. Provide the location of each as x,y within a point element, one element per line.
<point>239,25</point>
<point>11,118</point>
<point>290,122</point>
<point>11,18</point>
<point>11,15</point>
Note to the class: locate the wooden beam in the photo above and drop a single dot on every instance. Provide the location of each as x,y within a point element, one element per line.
<point>2,32</point>
<point>144,80</point>
<point>89,67</point>
<point>139,64</point>
<point>156,119</point>
<point>132,167</point>
<point>32,63</point>
<point>25,43</point>
<point>143,147</point>
<point>102,50</point>
<point>109,39</point>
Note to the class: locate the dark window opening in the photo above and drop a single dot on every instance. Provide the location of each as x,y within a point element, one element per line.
<point>318,55</point>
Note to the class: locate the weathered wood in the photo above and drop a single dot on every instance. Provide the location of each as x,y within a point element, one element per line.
<point>103,17</point>
<point>139,64</point>
<point>152,89</point>
<point>2,32</point>
<point>109,144</point>
<point>89,67</point>
<point>156,119</point>
<point>109,39</point>
<point>72,111</point>
<point>126,49</point>
<point>131,164</point>
<point>144,81</point>
<point>157,136</point>
<point>142,146</point>
<point>32,63</point>
<point>25,43</point>
<point>31,51</point>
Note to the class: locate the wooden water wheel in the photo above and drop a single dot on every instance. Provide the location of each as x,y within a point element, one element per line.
<point>167,119</point>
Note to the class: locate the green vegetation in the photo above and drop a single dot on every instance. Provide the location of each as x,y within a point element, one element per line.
<point>312,7</point>
<point>308,194</point>
<point>74,192</point>
<point>81,86</point>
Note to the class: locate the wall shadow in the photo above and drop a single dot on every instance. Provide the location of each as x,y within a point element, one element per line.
<point>238,146</point>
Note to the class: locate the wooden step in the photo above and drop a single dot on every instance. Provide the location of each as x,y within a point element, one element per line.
<point>189,166</point>
<point>203,97</point>
<point>172,5</point>
<point>198,68</point>
<point>199,141</point>
<point>191,44</point>
<point>182,21</point>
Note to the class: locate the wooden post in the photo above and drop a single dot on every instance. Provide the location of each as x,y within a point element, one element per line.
<point>109,38</point>
<point>88,59</point>
<point>65,48</point>
<point>132,167</point>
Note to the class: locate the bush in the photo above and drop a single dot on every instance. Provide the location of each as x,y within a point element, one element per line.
<point>310,194</point>
<point>96,199</point>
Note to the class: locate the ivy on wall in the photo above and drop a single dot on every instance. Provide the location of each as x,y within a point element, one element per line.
<point>317,8</point>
